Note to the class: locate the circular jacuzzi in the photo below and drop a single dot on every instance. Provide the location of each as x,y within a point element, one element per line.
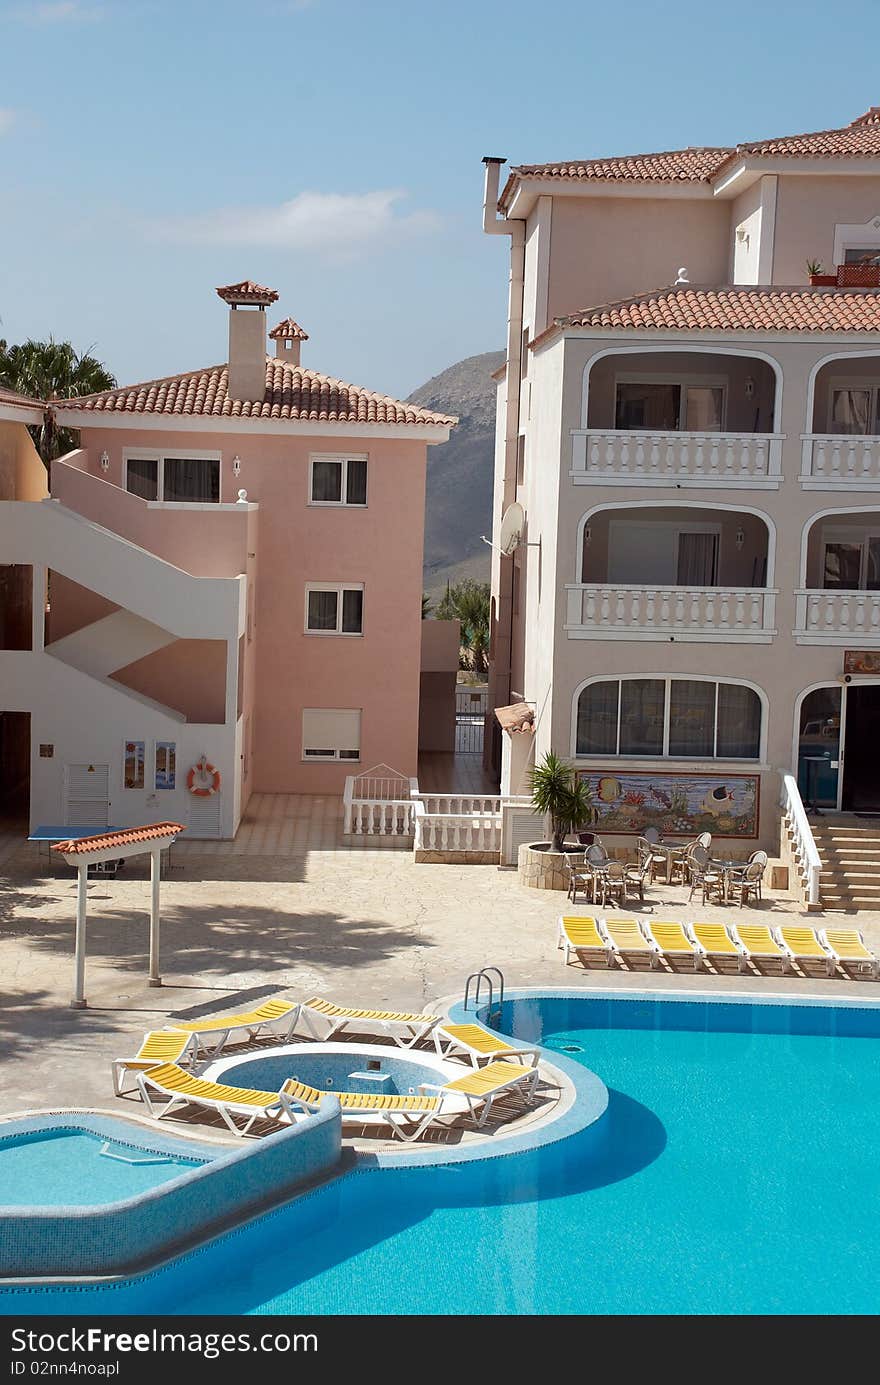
<point>354,1067</point>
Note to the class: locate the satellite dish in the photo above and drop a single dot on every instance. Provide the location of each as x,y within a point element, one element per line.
<point>512,525</point>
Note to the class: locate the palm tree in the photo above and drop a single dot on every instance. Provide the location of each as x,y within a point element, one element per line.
<point>51,370</point>
<point>427,608</point>
<point>557,790</point>
<point>468,602</point>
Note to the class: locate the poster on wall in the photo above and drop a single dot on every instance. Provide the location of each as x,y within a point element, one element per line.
<point>678,805</point>
<point>133,766</point>
<point>166,764</point>
<point>861,661</point>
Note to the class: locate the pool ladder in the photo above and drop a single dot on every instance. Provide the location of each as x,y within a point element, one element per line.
<point>484,975</point>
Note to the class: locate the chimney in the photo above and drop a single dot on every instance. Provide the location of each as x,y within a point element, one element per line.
<point>287,337</point>
<point>247,338</point>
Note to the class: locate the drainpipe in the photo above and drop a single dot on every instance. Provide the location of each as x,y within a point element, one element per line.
<point>500,668</point>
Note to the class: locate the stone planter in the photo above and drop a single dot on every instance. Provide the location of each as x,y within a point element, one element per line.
<point>542,869</point>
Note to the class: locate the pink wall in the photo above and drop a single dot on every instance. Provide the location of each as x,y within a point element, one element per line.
<point>287,670</point>
<point>213,545</point>
<point>73,607</point>
<point>601,249</point>
<point>188,675</point>
<point>807,211</point>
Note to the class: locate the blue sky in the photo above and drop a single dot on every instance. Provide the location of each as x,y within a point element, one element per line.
<point>152,149</point>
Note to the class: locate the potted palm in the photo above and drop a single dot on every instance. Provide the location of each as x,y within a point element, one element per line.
<point>557,792</point>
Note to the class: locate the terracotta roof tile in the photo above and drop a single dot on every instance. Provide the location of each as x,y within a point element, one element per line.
<point>107,841</point>
<point>288,330</point>
<point>8,396</point>
<point>517,718</point>
<point>688,308</point>
<point>673,166</point>
<point>247,293</point>
<point>292,392</point>
<point>859,139</point>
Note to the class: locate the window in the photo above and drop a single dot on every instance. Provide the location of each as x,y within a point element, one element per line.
<point>854,409</point>
<point>678,718</point>
<point>334,610</point>
<point>862,254</point>
<point>667,406</point>
<point>521,459</point>
<point>192,480</point>
<point>331,733</point>
<point>338,481</point>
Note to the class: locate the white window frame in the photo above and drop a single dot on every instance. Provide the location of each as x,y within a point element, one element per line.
<point>859,534</point>
<point>667,680</point>
<point>872,387</point>
<point>848,236</point>
<point>339,588</point>
<point>685,382</point>
<point>343,458</point>
<point>158,455</point>
<point>334,756</point>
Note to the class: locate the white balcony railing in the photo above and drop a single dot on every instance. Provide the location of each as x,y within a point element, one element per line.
<point>807,860</point>
<point>829,462</point>
<point>724,615</point>
<point>835,617</point>
<point>616,457</point>
<point>457,832</point>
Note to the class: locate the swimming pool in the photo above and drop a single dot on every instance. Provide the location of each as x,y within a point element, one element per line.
<point>737,1176</point>
<point>69,1167</point>
<point>339,1067</point>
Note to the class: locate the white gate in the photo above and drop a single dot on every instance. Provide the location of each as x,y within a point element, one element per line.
<point>378,802</point>
<point>87,796</point>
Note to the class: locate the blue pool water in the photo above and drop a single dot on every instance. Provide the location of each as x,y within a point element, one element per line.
<point>335,1072</point>
<point>67,1167</point>
<point>737,1175</point>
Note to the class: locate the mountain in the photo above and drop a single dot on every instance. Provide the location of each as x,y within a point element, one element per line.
<point>459,492</point>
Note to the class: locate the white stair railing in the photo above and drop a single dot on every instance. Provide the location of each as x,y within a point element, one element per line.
<point>803,842</point>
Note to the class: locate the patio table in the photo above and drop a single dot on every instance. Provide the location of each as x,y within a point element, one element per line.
<point>726,867</point>
<point>672,851</point>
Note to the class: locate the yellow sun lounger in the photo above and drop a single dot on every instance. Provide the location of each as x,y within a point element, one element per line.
<point>581,935</point>
<point>159,1046</point>
<point>715,941</point>
<point>179,1089</point>
<point>847,945</point>
<point>277,1017</point>
<point>673,941</point>
<point>626,937</point>
<point>408,1116</point>
<point>803,945</point>
<point>758,941</point>
<point>475,1044</point>
<point>323,1019</point>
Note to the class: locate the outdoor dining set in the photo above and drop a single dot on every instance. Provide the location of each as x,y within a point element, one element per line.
<point>603,879</point>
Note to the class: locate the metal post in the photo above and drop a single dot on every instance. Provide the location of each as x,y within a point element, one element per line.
<point>155,871</point>
<point>79,999</point>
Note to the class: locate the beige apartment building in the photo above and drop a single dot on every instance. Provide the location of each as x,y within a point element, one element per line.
<point>689,417</point>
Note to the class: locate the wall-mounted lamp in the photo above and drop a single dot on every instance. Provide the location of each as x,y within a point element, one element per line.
<point>740,538</point>
<point>742,236</point>
<point>105,461</point>
<point>588,535</point>
<point>236,465</point>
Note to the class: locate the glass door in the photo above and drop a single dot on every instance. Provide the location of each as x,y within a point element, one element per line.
<point>818,769</point>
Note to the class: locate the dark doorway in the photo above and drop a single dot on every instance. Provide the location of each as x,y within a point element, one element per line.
<point>15,766</point>
<point>861,766</point>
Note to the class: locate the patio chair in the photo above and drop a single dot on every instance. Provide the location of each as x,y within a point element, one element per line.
<point>578,877</point>
<point>705,840</point>
<point>169,1082</point>
<point>651,860</point>
<point>745,884</point>
<point>582,936</point>
<point>637,872</point>
<point>159,1046</point>
<point>275,1017</point>
<point>614,883</point>
<point>703,874</point>
<point>404,1028</point>
<point>804,945</point>
<point>847,946</point>
<point>596,855</point>
<point>475,1045</point>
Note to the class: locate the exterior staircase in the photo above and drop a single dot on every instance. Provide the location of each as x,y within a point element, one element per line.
<point>849,849</point>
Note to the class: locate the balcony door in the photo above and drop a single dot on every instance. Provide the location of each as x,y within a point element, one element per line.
<point>662,553</point>
<point>861,766</point>
<point>851,560</point>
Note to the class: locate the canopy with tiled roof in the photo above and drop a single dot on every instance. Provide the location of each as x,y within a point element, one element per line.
<point>690,308</point>
<point>291,393</point>
<point>247,293</point>
<point>858,140</point>
<point>288,330</point>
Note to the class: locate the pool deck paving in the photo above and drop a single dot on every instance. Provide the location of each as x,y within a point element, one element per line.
<point>293,908</point>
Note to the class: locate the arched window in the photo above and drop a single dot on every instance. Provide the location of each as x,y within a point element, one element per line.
<point>676,718</point>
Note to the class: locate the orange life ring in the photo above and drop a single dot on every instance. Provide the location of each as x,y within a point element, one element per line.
<point>203,779</point>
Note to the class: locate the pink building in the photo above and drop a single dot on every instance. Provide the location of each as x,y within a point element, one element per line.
<point>233,565</point>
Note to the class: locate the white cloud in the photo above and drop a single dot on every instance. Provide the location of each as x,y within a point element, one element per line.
<point>330,221</point>
<point>8,118</point>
